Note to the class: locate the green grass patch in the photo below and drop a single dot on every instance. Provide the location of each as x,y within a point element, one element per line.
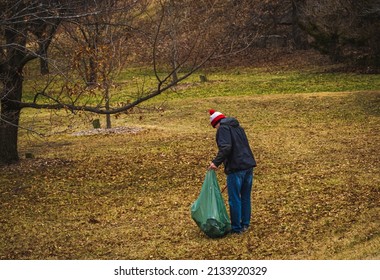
<point>133,82</point>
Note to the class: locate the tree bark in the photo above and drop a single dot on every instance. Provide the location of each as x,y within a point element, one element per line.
<point>9,121</point>
<point>107,95</point>
<point>12,79</point>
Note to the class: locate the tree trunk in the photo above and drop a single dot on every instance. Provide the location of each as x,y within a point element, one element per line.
<point>108,116</point>
<point>44,65</point>
<point>8,135</point>
<point>92,78</point>
<point>9,121</point>
<point>173,36</point>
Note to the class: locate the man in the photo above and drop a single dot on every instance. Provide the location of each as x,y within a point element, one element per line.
<point>236,155</point>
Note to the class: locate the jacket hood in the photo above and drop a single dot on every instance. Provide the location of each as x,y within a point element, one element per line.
<point>229,121</point>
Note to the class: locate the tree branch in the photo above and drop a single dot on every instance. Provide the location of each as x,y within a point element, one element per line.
<point>97,110</point>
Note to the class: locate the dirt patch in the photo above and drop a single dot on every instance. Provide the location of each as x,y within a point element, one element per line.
<point>105,131</point>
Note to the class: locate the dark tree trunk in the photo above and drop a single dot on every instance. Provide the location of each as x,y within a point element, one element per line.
<point>44,65</point>
<point>9,121</point>
<point>12,79</point>
<point>92,78</point>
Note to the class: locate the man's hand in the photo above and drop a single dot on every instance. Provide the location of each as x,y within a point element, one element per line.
<point>212,166</point>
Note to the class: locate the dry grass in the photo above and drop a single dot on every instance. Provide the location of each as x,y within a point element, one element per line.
<point>316,191</point>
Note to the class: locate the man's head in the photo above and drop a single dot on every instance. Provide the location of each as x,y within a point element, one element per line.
<point>215,117</point>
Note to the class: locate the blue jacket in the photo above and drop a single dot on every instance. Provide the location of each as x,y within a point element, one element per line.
<point>233,147</point>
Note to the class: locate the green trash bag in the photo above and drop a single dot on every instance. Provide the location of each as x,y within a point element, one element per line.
<point>209,211</point>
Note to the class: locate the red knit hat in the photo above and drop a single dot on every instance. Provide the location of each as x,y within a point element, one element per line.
<point>215,117</point>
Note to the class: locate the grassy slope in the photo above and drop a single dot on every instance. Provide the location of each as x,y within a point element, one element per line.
<point>316,189</point>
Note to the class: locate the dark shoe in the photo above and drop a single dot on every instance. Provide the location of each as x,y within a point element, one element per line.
<point>236,232</point>
<point>245,228</point>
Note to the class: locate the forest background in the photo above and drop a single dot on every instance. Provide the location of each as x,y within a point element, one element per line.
<point>301,76</point>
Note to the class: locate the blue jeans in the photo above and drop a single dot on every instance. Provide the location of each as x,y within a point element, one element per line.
<point>239,198</point>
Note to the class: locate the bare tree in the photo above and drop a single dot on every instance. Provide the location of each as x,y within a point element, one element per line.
<point>213,31</point>
<point>26,30</point>
<point>98,42</point>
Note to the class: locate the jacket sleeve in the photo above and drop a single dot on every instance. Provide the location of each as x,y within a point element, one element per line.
<point>224,143</point>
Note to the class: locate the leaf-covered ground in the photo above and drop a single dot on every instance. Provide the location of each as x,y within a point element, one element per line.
<point>316,192</point>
